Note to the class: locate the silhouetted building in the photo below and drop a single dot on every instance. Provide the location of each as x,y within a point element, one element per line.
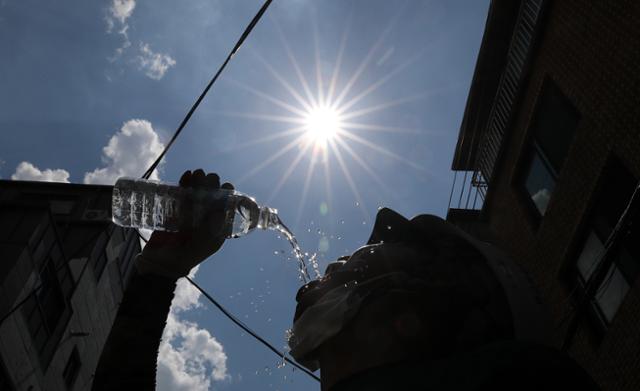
<point>64,266</point>
<point>547,159</point>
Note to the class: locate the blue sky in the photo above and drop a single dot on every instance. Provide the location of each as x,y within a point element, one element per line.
<point>91,90</point>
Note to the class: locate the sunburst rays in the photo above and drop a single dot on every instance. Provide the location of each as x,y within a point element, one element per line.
<point>298,111</point>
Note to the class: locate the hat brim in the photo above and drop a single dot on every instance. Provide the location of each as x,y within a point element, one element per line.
<point>390,227</point>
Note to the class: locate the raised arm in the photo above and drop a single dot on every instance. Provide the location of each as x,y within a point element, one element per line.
<point>129,356</point>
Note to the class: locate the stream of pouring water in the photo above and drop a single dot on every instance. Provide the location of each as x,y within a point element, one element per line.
<point>302,265</point>
<point>303,273</point>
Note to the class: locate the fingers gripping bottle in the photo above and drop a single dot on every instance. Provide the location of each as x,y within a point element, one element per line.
<point>141,203</point>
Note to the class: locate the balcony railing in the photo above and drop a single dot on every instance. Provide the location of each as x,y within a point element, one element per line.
<point>502,110</point>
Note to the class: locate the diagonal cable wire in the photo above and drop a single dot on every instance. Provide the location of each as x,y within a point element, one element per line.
<point>242,325</point>
<point>186,119</point>
<point>246,328</point>
<point>599,276</point>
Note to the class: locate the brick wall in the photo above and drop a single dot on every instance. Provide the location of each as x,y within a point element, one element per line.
<point>591,51</point>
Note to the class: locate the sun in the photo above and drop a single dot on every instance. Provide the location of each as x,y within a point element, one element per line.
<point>322,124</point>
<point>326,123</point>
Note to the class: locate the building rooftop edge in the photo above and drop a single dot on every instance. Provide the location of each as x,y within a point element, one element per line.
<point>490,63</point>
<point>11,182</point>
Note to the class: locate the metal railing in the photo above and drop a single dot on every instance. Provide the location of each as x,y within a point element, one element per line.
<point>501,111</point>
<point>468,191</point>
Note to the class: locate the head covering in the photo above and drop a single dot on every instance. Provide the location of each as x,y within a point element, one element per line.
<point>531,319</point>
<point>322,313</point>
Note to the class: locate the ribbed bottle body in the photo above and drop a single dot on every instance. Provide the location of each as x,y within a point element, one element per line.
<point>146,204</point>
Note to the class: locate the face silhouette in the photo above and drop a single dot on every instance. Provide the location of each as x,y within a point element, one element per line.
<point>366,263</point>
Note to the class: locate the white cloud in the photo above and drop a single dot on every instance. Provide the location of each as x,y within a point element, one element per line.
<point>154,65</point>
<point>121,10</point>
<point>28,172</point>
<point>125,43</point>
<point>129,152</point>
<point>190,358</point>
<point>186,297</point>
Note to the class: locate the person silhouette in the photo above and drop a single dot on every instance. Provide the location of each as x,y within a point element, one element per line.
<point>421,306</point>
<point>425,306</point>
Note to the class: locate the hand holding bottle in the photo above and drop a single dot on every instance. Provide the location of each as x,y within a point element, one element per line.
<point>174,254</point>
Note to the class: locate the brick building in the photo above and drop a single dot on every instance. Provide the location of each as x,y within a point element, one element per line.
<point>64,268</point>
<point>547,159</point>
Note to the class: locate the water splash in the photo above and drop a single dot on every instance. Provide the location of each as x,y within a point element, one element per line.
<point>288,334</point>
<point>289,337</point>
<point>314,265</point>
<point>286,232</point>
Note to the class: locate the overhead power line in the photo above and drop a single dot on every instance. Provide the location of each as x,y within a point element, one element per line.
<point>243,326</point>
<point>244,36</point>
<point>246,328</point>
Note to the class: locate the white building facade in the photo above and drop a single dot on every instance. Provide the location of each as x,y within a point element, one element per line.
<point>63,270</point>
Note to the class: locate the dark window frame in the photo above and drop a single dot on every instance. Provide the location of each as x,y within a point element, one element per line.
<point>534,151</point>
<point>54,276</point>
<point>88,239</point>
<point>37,311</point>
<point>533,147</point>
<point>571,274</point>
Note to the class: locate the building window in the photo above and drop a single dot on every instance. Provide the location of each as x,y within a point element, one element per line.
<point>540,182</point>
<point>47,308</point>
<point>552,130</point>
<point>616,191</point>
<point>71,369</point>
<point>88,240</point>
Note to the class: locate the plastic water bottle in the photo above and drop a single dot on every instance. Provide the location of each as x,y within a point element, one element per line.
<point>141,203</point>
